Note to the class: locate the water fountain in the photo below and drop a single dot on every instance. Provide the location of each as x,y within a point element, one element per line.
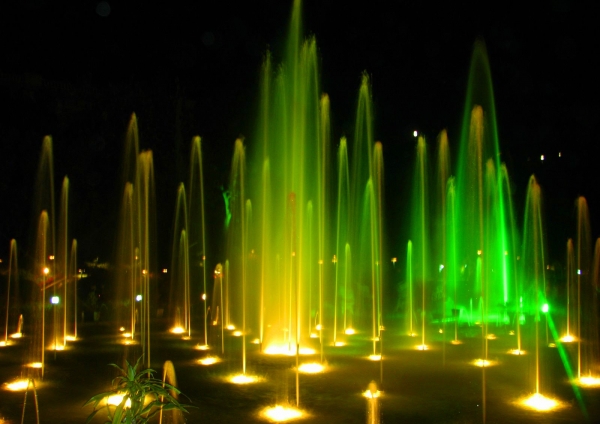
<point>306,263</point>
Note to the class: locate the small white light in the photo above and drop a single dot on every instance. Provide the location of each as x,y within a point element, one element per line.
<point>541,157</point>
<point>415,133</point>
<point>138,298</point>
<point>54,300</point>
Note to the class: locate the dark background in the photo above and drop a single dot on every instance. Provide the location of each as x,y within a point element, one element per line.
<point>77,70</point>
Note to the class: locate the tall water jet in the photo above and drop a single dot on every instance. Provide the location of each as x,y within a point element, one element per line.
<point>440,229</point>
<point>409,290</point>
<point>421,231</point>
<point>341,257</point>
<point>179,297</point>
<point>74,276</point>
<point>136,241</point>
<point>13,279</point>
<point>587,313</point>
<point>197,225</point>
<point>533,272</point>
<point>62,260</point>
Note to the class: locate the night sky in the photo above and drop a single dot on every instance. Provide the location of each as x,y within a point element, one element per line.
<point>78,71</point>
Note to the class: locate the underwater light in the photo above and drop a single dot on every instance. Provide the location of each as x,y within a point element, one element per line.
<point>177,330</point>
<point>375,357</point>
<point>311,368</point>
<point>370,394</point>
<point>567,339</point>
<point>540,403</point>
<point>338,344</point>
<point>280,413</point>
<point>422,347</point>
<point>16,335</point>
<point>35,365</point>
<point>589,381</point>
<point>201,347</point>
<point>117,399</point>
<point>516,352</point>
<point>209,360</point>
<point>350,331</point>
<point>242,379</point>
<point>483,363</point>
<point>17,385</point>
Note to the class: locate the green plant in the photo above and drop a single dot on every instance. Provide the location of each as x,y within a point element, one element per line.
<point>143,397</point>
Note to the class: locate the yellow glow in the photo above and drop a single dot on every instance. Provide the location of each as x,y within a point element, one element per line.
<point>128,342</point>
<point>3,343</point>
<point>511,333</point>
<point>456,342</point>
<point>201,347</point>
<point>57,347</point>
<point>16,335</point>
<point>422,347</point>
<point>209,360</point>
<point>338,344</point>
<point>203,296</point>
<point>231,327</point>
<point>370,394</point>
<point>589,381</point>
<point>319,327</point>
<point>17,385</point>
<point>287,350</point>
<point>280,413</point>
<point>255,341</point>
<point>516,352</point>
<point>243,379</point>
<point>121,328</point>
<point>117,399</point>
<point>126,334</point>
<point>375,357</point>
<point>177,330</point>
<point>491,337</point>
<point>412,334</point>
<point>540,403</point>
<point>350,331</point>
<point>35,365</point>
<point>567,339</point>
<point>311,368</point>
<point>314,336</point>
<point>71,338</point>
<point>237,333</point>
<point>483,363</point>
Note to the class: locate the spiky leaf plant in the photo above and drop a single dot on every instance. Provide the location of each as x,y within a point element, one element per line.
<point>143,397</point>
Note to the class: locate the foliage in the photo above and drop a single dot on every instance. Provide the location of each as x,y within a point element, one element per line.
<point>147,396</point>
